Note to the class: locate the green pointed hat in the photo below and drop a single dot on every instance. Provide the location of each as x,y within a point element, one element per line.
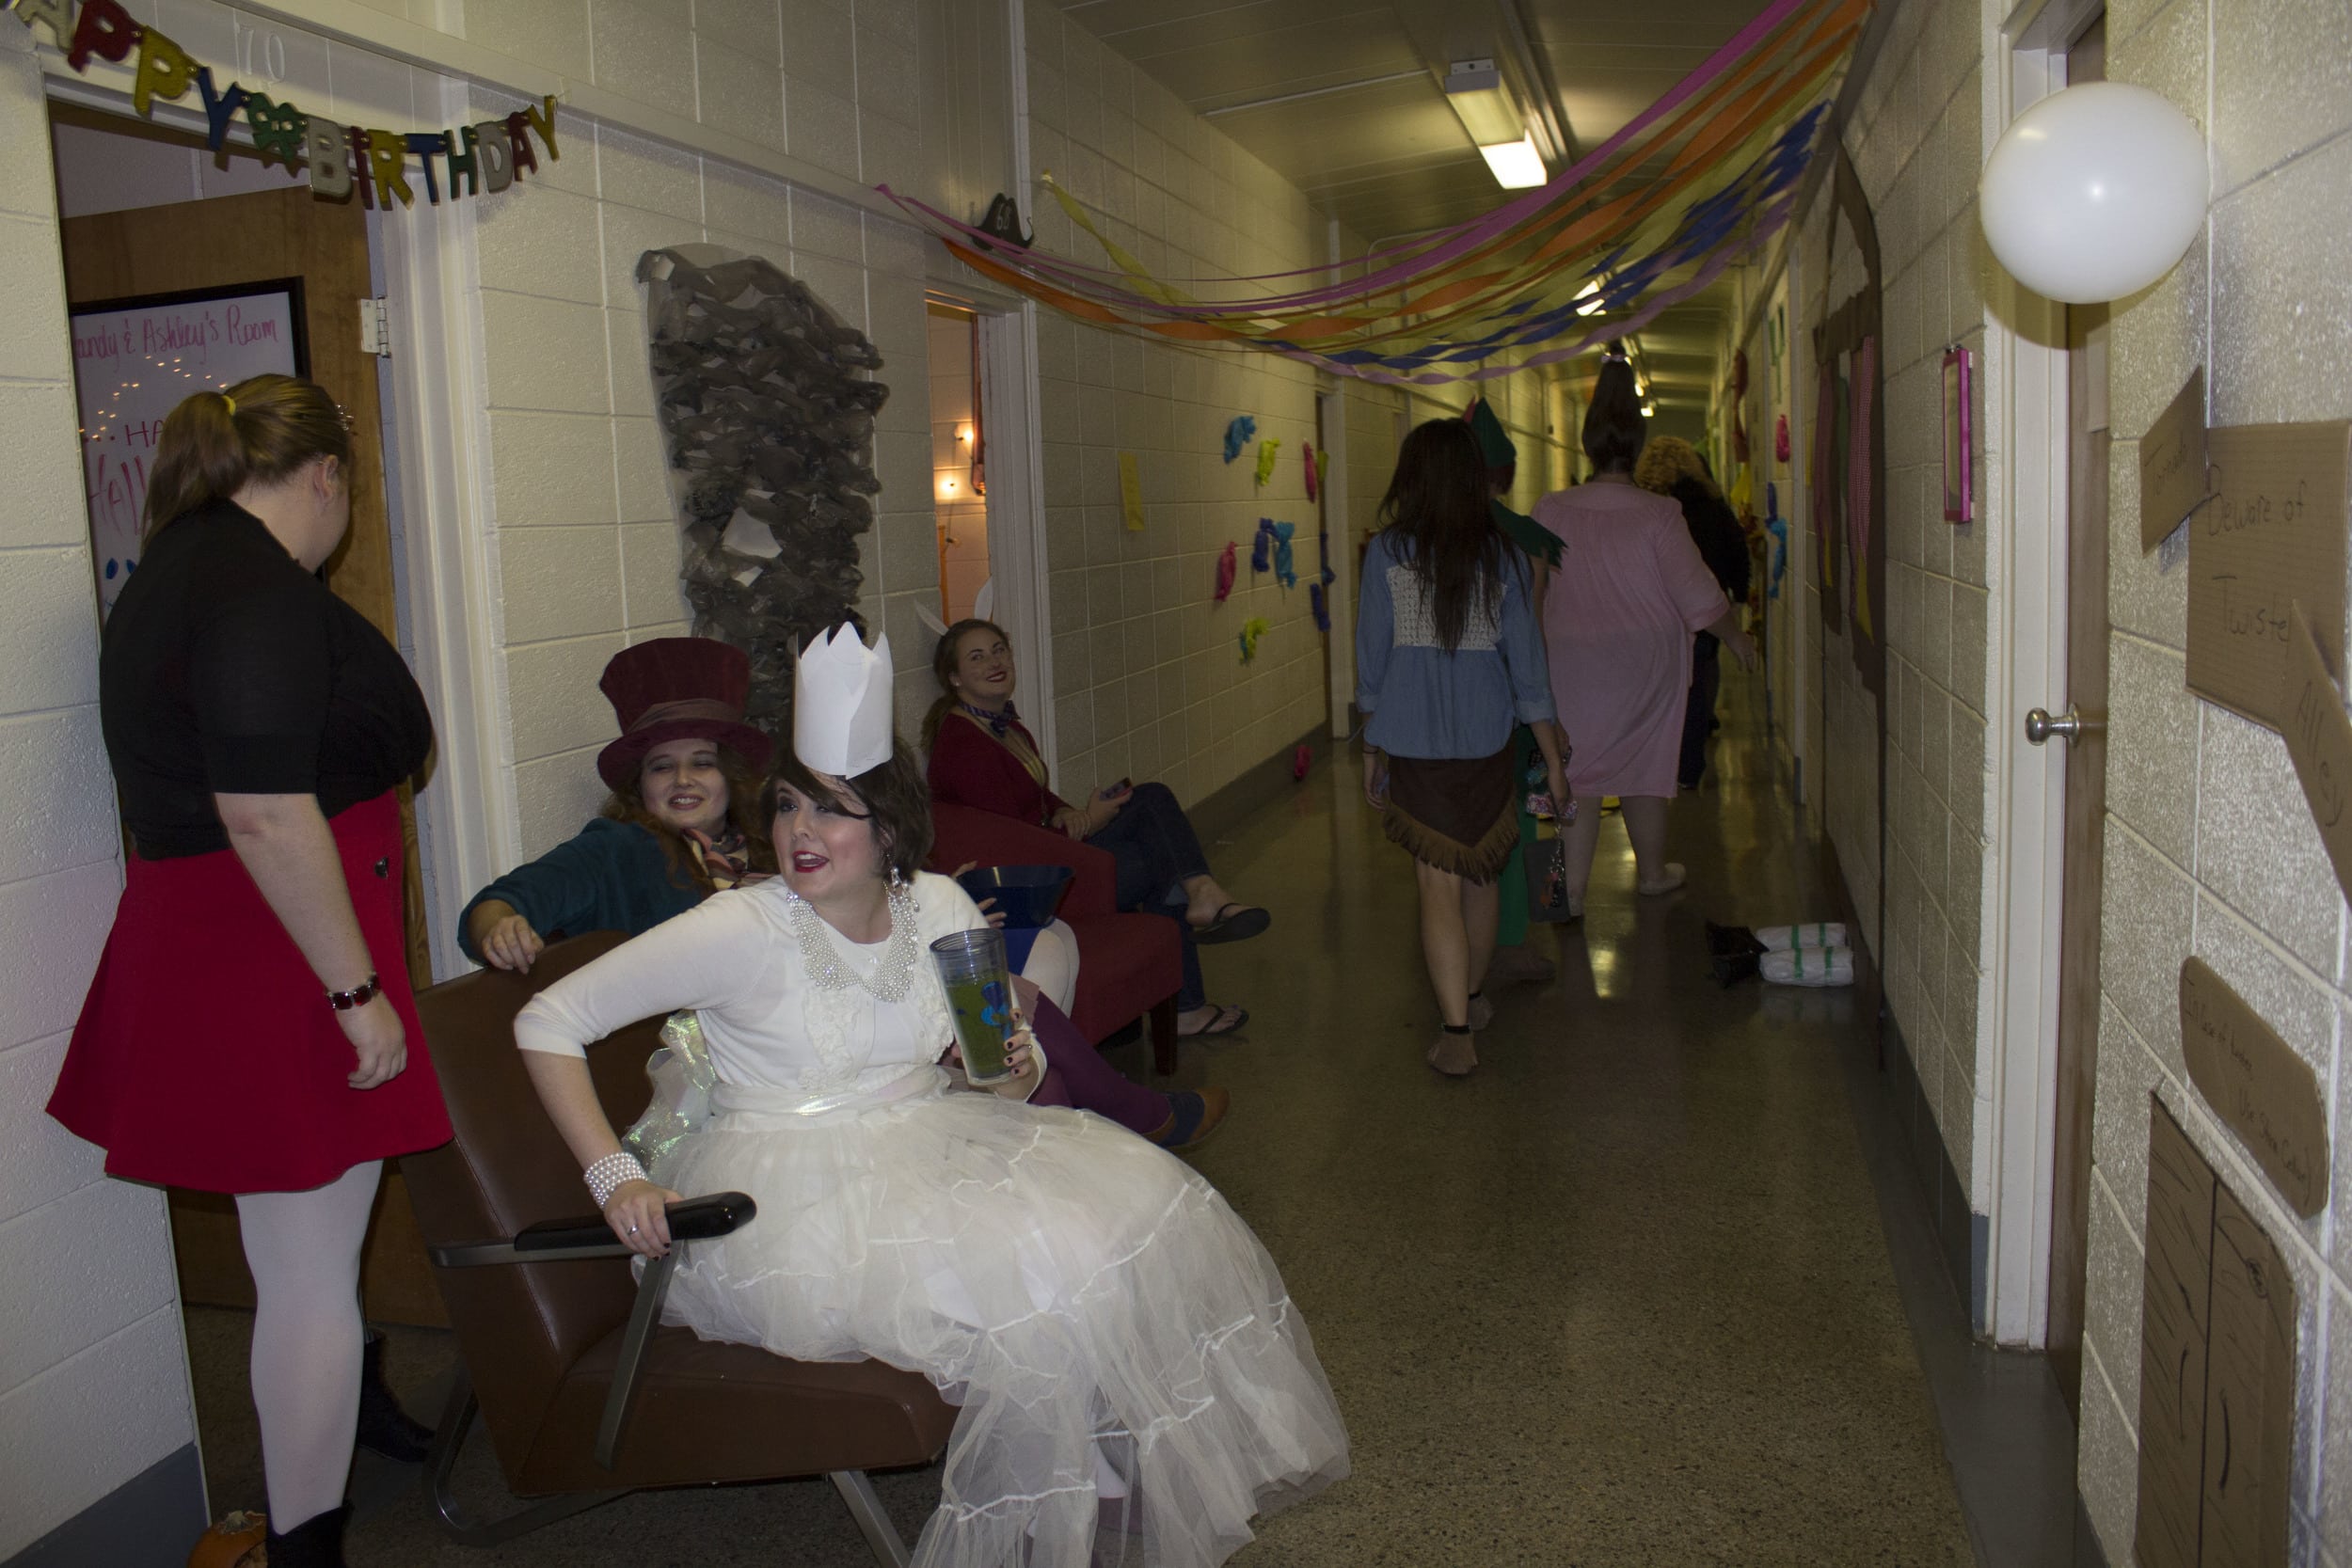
<point>1492,438</point>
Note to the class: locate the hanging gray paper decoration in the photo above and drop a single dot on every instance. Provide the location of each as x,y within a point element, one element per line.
<point>769,419</point>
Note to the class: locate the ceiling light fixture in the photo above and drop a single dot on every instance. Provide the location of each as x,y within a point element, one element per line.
<point>1474,91</point>
<point>1649,410</point>
<point>1588,299</point>
<point>1516,165</point>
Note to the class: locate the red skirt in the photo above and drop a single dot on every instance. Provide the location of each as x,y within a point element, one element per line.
<point>206,1056</point>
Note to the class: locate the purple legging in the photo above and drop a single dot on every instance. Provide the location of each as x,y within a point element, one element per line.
<point>1077,1075</point>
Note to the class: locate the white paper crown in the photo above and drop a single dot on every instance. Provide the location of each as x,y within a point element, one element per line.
<point>841,705</point>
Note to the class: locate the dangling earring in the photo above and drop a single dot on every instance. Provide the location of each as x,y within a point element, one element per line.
<point>897,880</point>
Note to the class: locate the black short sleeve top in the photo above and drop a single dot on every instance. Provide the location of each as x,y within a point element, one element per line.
<point>228,669</point>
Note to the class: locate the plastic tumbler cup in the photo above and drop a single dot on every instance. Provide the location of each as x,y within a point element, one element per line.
<point>979,995</point>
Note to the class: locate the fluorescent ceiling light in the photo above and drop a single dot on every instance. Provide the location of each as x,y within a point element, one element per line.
<point>1488,111</point>
<point>1588,299</point>
<point>1649,410</point>
<point>1516,165</point>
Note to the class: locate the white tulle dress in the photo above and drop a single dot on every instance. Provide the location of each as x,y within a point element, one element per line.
<point>1085,1297</point>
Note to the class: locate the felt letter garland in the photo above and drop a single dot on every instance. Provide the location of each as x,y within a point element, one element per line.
<point>337,160</point>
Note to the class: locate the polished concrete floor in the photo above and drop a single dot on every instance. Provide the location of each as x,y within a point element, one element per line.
<point>1623,1297</point>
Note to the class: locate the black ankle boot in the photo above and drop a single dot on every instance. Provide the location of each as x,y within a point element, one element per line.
<point>385,1428</point>
<point>315,1543</point>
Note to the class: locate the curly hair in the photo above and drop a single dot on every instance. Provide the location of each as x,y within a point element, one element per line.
<point>1668,461</point>
<point>744,814</point>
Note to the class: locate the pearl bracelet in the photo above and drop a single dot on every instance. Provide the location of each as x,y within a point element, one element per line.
<point>610,1173</point>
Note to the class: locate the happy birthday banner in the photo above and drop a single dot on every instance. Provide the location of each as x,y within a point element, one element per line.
<point>339,159</point>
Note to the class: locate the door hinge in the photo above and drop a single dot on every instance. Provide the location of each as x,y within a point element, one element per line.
<point>375,333</point>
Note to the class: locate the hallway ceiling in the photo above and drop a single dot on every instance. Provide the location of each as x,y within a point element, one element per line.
<point>1341,98</point>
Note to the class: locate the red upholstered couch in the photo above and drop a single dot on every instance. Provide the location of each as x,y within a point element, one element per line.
<point>1128,964</point>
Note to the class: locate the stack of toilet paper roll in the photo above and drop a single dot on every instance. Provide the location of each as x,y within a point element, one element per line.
<point>1810,955</point>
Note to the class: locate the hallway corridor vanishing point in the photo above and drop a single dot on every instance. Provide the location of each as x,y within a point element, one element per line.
<point>1620,1299</point>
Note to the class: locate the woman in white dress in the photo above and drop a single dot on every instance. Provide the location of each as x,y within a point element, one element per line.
<point>1126,1358</point>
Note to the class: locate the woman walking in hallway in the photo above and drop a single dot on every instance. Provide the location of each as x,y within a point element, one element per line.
<point>1673,467</point>
<point>1617,624</point>
<point>1448,658</point>
<point>249,1029</point>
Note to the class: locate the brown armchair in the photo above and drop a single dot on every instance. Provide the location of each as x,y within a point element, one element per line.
<point>585,1396</point>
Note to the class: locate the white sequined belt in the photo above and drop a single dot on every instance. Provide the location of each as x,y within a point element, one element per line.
<point>762,1100</point>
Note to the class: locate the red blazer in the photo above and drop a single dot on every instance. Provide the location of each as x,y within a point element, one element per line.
<point>970,766</point>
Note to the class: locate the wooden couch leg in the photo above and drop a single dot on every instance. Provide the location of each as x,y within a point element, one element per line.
<point>1164,1037</point>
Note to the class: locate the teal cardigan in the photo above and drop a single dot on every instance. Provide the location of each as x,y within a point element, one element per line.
<point>609,877</point>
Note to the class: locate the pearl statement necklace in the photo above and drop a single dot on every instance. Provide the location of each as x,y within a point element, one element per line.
<point>893,977</point>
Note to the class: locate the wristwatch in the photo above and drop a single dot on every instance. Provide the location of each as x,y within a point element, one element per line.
<point>357,996</point>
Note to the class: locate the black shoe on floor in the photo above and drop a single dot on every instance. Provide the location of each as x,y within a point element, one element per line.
<point>385,1428</point>
<point>315,1543</point>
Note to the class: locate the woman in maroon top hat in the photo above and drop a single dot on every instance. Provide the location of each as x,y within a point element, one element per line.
<point>249,1029</point>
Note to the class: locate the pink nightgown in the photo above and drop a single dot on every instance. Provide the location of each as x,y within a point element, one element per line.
<point>1631,591</point>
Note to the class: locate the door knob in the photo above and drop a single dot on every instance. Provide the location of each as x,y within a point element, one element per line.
<point>2068,726</point>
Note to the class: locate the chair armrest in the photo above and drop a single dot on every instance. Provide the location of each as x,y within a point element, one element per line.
<point>693,1219</point>
<point>967,834</point>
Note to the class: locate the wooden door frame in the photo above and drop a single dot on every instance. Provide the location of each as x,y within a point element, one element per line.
<point>2024,416</point>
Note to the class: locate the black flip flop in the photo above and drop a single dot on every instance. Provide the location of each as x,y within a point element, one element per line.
<point>1247,921</point>
<point>1241,1016</point>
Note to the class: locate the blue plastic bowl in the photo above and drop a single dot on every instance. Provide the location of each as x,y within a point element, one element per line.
<point>1028,894</point>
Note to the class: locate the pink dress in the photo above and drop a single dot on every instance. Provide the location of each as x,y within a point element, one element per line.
<point>1619,619</point>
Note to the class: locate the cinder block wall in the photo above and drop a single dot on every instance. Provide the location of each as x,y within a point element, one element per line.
<point>1914,140</point>
<point>2210,847</point>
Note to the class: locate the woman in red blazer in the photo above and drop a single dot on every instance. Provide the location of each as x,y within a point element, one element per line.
<point>982,755</point>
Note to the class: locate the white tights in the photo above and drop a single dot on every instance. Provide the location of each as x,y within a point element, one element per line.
<point>304,1251</point>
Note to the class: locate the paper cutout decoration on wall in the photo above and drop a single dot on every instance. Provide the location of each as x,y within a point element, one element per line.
<point>1315,603</point>
<point>1266,453</point>
<point>1262,546</point>
<point>1306,450</point>
<point>336,159</point>
<point>1301,760</point>
<point>1225,571</point>
<point>1252,630</point>
<point>1130,491</point>
<point>1285,566</point>
<point>1780,438</point>
<point>1323,553</point>
<point>1237,432</point>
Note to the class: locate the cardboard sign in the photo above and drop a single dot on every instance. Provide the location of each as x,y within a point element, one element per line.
<point>2216,1371</point>
<point>2261,1090</point>
<point>2176,1323</point>
<point>2319,742</point>
<point>2273,533</point>
<point>2172,463</point>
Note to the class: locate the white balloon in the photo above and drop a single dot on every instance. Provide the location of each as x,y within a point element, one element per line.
<point>2094,192</point>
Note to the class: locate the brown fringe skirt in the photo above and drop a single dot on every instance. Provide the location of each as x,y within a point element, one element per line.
<point>1456,813</point>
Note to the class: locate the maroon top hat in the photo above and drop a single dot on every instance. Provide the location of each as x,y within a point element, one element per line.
<point>677,688</point>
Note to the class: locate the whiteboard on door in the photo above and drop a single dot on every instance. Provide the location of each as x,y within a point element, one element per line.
<point>134,361</point>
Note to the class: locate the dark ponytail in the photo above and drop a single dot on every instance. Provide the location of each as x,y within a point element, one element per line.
<point>259,430</point>
<point>1613,427</point>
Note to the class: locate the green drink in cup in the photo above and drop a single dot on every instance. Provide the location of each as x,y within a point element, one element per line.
<point>979,995</point>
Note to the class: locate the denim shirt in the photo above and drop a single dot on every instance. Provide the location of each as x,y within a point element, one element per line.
<point>1421,701</point>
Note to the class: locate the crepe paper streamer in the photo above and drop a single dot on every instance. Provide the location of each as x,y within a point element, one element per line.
<point>1266,453</point>
<point>1306,448</point>
<point>1792,49</point>
<point>1225,572</point>
<point>338,160</point>
<point>1238,429</point>
<point>1262,546</point>
<point>1252,630</point>
<point>1535,250</point>
<point>1316,604</point>
<point>1130,491</point>
<point>1285,568</point>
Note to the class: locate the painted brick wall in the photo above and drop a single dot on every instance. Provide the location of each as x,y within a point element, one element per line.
<point>1916,140</point>
<point>2210,848</point>
<point>93,1386</point>
<point>1149,682</point>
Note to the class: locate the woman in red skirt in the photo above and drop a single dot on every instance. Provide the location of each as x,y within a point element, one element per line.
<point>250,1028</point>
